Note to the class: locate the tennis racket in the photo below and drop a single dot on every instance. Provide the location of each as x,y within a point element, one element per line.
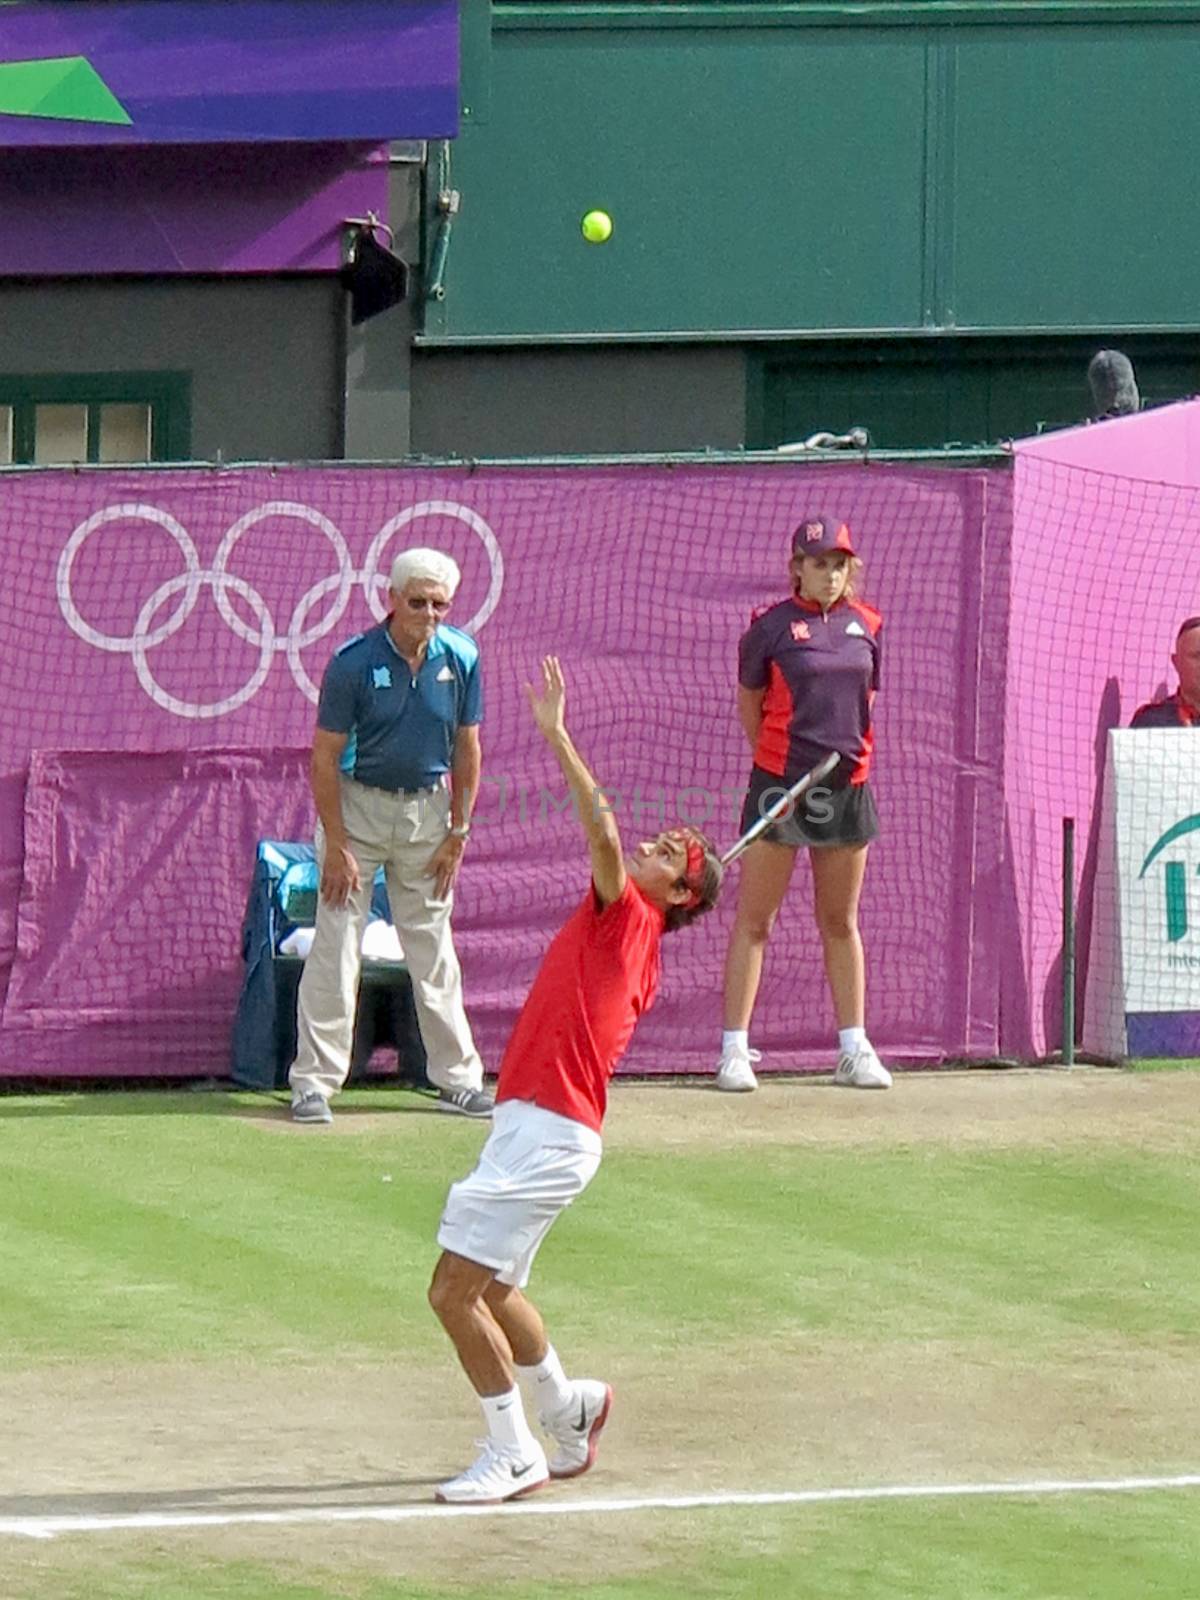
<point>778,807</point>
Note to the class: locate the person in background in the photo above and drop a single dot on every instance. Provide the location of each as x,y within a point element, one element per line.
<point>395,771</point>
<point>1181,709</point>
<point>808,671</point>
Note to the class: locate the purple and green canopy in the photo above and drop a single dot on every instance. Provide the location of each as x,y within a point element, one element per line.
<point>147,72</point>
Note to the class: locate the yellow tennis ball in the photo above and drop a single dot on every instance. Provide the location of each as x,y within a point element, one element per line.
<point>596,227</point>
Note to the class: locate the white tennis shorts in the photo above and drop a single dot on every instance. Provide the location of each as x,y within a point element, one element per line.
<point>531,1168</point>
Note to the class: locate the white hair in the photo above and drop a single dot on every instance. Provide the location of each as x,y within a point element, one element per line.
<point>429,565</point>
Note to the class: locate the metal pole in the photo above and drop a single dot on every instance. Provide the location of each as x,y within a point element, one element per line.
<point>437,265</point>
<point>448,203</point>
<point>1068,942</point>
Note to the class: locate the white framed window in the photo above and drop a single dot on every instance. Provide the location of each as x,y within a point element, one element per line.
<point>63,419</point>
<point>125,432</point>
<point>60,435</point>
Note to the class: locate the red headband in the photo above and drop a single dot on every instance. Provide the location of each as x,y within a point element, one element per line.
<point>695,867</point>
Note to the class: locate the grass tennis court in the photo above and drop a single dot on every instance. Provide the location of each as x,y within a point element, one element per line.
<point>980,1278</point>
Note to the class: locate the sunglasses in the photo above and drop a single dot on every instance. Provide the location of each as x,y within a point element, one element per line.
<point>438,607</point>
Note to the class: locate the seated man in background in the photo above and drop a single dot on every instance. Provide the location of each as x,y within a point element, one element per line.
<point>1181,709</point>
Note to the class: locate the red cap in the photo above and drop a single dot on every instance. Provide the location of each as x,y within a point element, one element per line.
<point>820,535</point>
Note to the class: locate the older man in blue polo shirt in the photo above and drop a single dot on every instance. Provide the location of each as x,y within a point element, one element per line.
<point>395,771</point>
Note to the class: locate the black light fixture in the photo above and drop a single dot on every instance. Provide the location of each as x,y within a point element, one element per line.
<point>375,278</point>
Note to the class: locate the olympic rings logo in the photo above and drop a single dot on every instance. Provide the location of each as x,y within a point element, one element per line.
<point>301,631</point>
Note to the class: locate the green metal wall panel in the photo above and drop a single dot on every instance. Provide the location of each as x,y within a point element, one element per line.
<point>912,394</point>
<point>777,169</point>
<point>757,179</point>
<point>902,405</point>
<point>1076,190</point>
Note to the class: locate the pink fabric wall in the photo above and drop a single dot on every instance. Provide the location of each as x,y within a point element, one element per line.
<point>1105,564</point>
<point>1005,663</point>
<point>1157,446</point>
<point>161,641</point>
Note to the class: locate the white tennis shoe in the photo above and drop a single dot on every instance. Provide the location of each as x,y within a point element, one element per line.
<point>497,1475</point>
<point>861,1068</point>
<point>735,1075</point>
<point>577,1428</point>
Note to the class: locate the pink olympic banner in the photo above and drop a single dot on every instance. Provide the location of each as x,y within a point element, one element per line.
<point>1105,566</point>
<point>160,653</point>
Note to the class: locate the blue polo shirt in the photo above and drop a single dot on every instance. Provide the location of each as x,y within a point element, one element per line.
<point>401,728</point>
<point>820,671</point>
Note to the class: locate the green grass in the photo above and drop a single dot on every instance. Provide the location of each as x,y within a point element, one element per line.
<point>264,1241</point>
<point>1097,1547</point>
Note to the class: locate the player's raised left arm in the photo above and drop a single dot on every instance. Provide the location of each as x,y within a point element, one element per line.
<point>595,816</point>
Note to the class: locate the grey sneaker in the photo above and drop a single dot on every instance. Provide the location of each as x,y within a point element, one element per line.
<point>311,1107</point>
<point>466,1102</point>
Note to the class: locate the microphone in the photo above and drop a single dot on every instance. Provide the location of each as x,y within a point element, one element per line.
<point>1113,385</point>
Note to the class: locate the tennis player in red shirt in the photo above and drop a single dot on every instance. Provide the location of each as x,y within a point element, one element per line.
<point>600,974</point>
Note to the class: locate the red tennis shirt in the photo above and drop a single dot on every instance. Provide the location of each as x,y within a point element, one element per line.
<point>599,976</point>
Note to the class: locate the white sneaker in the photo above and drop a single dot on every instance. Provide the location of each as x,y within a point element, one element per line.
<point>735,1075</point>
<point>498,1474</point>
<point>577,1429</point>
<point>861,1068</point>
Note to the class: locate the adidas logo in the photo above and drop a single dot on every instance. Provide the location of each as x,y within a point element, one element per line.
<point>856,627</point>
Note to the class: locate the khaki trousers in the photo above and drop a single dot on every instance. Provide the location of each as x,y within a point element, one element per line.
<point>400,834</point>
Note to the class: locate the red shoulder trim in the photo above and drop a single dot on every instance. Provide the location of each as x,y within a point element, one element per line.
<point>872,618</point>
<point>761,611</point>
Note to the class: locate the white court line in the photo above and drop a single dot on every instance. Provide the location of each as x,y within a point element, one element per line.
<point>50,1527</point>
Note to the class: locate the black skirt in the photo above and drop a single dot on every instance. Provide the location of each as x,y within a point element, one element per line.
<point>822,816</point>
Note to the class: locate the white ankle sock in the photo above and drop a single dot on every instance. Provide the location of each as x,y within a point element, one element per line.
<point>506,1424</point>
<point>851,1038</point>
<point>735,1039</point>
<point>550,1388</point>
